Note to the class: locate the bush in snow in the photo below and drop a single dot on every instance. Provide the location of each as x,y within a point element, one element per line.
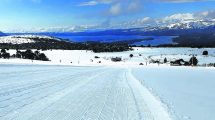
<point>3,51</point>
<point>178,62</point>
<point>18,54</point>
<point>205,52</point>
<point>116,59</point>
<point>131,55</point>
<point>96,57</point>
<point>141,64</point>
<point>155,61</point>
<point>165,60</point>
<point>43,57</point>
<point>29,54</point>
<point>193,61</point>
<point>210,65</point>
<point>4,54</point>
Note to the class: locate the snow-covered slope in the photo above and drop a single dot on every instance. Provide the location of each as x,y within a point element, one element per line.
<point>32,92</point>
<point>188,92</point>
<point>192,24</point>
<point>75,93</point>
<point>15,40</point>
<point>183,24</point>
<point>20,39</point>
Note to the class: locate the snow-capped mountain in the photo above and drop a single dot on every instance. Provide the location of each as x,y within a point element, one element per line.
<point>192,24</point>
<point>176,27</point>
<point>2,34</point>
<point>141,26</point>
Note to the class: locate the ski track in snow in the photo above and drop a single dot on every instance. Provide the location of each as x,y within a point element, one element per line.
<point>76,93</point>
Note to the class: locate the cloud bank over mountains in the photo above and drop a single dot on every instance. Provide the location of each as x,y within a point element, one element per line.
<point>203,18</point>
<point>81,15</point>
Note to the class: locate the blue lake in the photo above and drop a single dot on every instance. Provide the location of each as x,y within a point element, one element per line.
<point>103,38</point>
<point>157,40</point>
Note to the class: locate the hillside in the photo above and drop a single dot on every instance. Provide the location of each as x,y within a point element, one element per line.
<point>46,42</point>
<point>196,40</point>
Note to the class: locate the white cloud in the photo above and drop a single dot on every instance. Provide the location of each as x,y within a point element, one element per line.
<point>90,3</point>
<point>146,20</point>
<point>178,17</point>
<point>182,1</point>
<point>34,1</point>
<point>123,7</point>
<point>183,17</point>
<point>115,9</point>
<point>133,6</point>
<point>96,2</point>
<point>210,14</point>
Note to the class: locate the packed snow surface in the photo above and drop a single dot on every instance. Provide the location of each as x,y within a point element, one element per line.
<point>73,93</point>
<point>188,92</point>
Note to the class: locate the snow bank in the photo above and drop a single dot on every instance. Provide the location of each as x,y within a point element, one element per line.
<point>187,91</point>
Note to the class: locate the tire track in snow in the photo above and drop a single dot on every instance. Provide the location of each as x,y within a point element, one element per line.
<point>152,105</point>
<point>135,99</point>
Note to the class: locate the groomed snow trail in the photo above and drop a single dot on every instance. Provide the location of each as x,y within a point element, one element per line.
<point>75,93</point>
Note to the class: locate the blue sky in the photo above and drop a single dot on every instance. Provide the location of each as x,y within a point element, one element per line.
<point>28,14</point>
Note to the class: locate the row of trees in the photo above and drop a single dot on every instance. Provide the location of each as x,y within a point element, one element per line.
<point>4,54</point>
<point>28,54</point>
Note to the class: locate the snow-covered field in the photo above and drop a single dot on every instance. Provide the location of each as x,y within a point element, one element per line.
<point>141,55</point>
<point>74,85</point>
<point>188,92</point>
<point>70,93</point>
<point>41,92</point>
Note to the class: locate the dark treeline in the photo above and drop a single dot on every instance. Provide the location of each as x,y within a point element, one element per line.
<point>28,54</point>
<point>196,40</point>
<point>199,40</point>
<point>46,44</point>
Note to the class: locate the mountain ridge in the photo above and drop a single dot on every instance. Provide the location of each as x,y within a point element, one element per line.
<point>2,34</point>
